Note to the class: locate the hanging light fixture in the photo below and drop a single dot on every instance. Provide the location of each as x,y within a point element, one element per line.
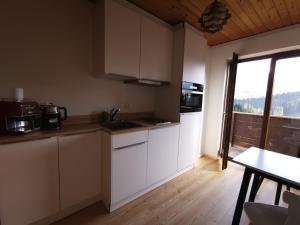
<point>214,17</point>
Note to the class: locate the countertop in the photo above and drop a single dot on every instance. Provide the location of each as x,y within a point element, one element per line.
<point>77,129</point>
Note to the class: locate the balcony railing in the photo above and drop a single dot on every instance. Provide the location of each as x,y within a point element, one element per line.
<point>283,134</point>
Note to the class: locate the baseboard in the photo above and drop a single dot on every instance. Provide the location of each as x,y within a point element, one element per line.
<point>67,212</point>
<point>214,157</point>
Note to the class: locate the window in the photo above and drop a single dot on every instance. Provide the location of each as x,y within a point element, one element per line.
<point>251,85</point>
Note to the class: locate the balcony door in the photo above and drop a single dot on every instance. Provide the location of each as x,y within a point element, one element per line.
<point>264,93</point>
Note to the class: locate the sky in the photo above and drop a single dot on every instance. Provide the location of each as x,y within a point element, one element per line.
<point>252,77</point>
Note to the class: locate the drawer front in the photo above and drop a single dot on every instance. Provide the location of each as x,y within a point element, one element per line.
<point>128,139</point>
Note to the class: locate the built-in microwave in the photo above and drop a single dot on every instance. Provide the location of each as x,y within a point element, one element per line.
<point>191,97</point>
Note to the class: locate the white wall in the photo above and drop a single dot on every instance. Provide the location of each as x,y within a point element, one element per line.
<point>46,48</point>
<point>279,40</point>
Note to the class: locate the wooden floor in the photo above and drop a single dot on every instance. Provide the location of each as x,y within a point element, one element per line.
<point>202,196</point>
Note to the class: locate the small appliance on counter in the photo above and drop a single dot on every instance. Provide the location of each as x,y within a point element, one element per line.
<point>191,97</point>
<point>19,116</point>
<point>52,116</point>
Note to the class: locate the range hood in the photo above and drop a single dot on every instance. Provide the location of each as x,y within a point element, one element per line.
<point>146,82</point>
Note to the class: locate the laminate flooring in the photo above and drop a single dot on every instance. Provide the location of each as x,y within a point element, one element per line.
<point>202,196</point>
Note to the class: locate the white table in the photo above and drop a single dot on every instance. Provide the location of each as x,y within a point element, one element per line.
<point>263,163</point>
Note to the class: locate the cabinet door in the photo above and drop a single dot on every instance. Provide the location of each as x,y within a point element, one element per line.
<point>80,169</point>
<point>122,40</point>
<point>189,139</point>
<point>29,183</point>
<point>129,169</point>
<point>195,49</point>
<point>162,153</point>
<point>156,51</point>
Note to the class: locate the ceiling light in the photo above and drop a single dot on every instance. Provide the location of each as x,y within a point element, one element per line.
<point>214,17</point>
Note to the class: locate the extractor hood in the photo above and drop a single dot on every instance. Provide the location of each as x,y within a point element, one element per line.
<point>146,82</point>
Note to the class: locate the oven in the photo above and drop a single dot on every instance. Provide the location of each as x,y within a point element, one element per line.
<point>191,97</point>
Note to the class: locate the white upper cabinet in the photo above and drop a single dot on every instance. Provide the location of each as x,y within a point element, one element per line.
<point>122,37</point>
<point>189,139</point>
<point>80,168</point>
<point>156,51</point>
<point>195,49</point>
<point>117,40</point>
<point>29,183</point>
<point>162,153</point>
<point>129,45</point>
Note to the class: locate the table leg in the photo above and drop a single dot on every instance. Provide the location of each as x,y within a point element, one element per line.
<point>278,193</point>
<point>254,188</point>
<point>242,195</point>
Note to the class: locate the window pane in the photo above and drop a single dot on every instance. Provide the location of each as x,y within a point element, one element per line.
<point>251,86</point>
<point>284,123</point>
<point>286,90</point>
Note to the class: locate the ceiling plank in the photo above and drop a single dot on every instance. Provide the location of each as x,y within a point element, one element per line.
<point>262,14</point>
<point>298,8</point>
<point>238,12</point>
<point>292,8</point>
<point>272,13</point>
<point>249,14</point>
<point>283,12</point>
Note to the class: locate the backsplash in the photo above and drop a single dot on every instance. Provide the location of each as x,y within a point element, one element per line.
<point>49,54</point>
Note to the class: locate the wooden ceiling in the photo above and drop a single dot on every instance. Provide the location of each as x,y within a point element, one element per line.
<point>248,17</point>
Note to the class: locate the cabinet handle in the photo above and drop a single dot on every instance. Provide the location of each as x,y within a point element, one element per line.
<point>163,126</point>
<point>128,146</point>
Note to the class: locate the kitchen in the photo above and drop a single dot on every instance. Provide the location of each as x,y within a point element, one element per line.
<point>83,161</point>
<point>71,53</point>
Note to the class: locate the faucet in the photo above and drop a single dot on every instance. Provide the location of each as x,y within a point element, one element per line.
<point>113,113</point>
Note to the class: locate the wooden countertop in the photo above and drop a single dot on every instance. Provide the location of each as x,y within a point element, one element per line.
<point>76,129</point>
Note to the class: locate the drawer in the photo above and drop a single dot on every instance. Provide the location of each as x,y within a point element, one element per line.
<point>127,139</point>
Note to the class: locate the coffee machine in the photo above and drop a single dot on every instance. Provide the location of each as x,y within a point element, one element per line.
<point>52,116</point>
<point>19,117</point>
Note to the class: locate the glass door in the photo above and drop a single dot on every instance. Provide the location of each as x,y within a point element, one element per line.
<point>283,133</point>
<point>249,102</point>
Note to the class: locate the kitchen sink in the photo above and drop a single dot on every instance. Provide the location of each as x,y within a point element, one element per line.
<point>120,125</point>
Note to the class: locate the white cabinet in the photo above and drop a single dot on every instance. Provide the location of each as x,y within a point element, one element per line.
<point>129,45</point>
<point>189,139</point>
<point>156,51</point>
<point>129,164</point>
<point>117,40</point>
<point>29,183</point>
<point>122,40</point>
<point>80,167</point>
<point>162,153</point>
<point>195,50</point>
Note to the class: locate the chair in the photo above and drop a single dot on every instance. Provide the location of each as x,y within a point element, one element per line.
<point>263,214</point>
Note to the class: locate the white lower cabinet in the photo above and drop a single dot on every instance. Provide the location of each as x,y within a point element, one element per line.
<point>129,164</point>
<point>162,153</point>
<point>80,168</point>
<point>29,181</point>
<point>189,139</point>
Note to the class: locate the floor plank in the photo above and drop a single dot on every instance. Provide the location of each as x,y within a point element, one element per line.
<point>202,196</point>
